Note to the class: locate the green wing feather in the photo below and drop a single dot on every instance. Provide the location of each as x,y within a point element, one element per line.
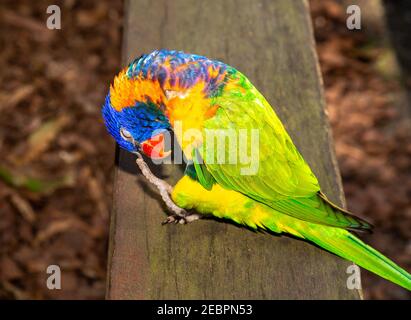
<point>203,176</point>
<point>284,181</point>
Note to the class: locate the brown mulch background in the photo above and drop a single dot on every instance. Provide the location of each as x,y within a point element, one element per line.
<point>56,159</point>
<point>51,88</point>
<point>372,135</point>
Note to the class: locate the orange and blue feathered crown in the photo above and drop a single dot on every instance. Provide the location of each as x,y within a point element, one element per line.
<point>136,99</point>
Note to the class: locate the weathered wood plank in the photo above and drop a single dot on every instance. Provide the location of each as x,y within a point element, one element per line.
<point>272,43</point>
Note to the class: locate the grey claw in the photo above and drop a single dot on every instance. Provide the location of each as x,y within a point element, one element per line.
<point>174,219</point>
<point>181,220</point>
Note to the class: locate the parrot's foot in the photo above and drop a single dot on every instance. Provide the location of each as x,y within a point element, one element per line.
<point>181,220</point>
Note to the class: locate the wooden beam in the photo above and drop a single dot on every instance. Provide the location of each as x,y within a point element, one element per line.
<point>272,43</point>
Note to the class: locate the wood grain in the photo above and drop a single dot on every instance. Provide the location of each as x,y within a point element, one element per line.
<point>272,43</point>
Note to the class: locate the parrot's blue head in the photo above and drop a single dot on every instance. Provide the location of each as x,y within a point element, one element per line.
<point>146,96</point>
<point>133,112</point>
<point>135,126</point>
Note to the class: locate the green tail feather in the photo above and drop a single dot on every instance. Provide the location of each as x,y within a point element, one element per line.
<point>336,240</point>
<point>348,246</point>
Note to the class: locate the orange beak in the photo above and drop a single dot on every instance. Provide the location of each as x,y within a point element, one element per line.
<point>154,147</point>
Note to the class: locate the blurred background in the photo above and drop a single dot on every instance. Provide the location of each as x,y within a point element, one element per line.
<point>56,160</point>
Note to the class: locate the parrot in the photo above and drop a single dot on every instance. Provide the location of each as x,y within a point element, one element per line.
<point>193,97</point>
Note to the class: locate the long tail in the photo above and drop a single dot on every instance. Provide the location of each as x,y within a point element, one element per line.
<point>344,244</point>
<point>336,240</point>
<point>348,246</point>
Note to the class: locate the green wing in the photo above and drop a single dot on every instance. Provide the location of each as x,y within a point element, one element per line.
<point>202,175</point>
<point>283,179</point>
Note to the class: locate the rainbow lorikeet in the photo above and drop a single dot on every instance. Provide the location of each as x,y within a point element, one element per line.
<point>197,97</point>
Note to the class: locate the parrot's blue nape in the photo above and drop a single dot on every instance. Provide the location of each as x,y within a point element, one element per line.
<point>140,120</point>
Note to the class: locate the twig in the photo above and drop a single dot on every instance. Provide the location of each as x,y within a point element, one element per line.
<point>162,186</point>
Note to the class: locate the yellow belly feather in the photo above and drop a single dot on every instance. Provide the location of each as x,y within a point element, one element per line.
<point>229,204</point>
